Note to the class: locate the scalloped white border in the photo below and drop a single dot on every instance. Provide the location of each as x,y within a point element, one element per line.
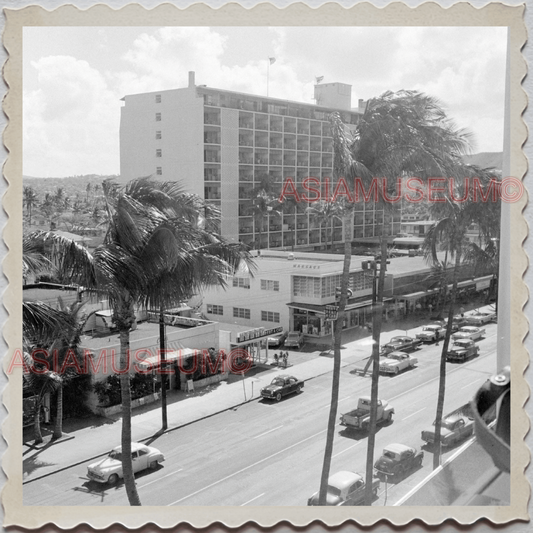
<point>396,14</point>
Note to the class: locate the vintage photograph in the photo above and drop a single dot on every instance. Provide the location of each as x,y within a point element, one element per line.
<point>262,275</point>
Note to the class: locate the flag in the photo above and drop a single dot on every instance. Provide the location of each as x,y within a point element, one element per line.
<point>272,60</point>
<point>319,79</point>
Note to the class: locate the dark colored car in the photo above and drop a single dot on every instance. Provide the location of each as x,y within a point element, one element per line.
<point>397,460</point>
<point>461,350</point>
<point>400,343</point>
<point>281,386</point>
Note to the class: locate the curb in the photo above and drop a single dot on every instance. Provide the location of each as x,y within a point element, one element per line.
<point>168,430</point>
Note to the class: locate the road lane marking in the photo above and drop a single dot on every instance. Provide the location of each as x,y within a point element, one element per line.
<point>329,404</point>
<point>249,501</point>
<point>349,448</point>
<point>413,414</point>
<point>470,384</point>
<point>246,468</point>
<point>267,432</point>
<point>159,478</point>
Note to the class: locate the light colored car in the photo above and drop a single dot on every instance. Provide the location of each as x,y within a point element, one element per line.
<point>277,340</point>
<point>109,469</point>
<point>469,332</point>
<point>295,339</point>
<point>345,488</point>
<point>395,362</point>
<point>431,333</point>
<point>480,318</point>
<point>400,342</point>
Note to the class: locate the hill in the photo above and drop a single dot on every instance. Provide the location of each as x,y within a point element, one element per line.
<point>485,160</point>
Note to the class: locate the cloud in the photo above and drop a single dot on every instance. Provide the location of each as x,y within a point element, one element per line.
<point>71,121</point>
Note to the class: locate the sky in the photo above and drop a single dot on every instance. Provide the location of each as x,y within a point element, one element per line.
<point>74,77</point>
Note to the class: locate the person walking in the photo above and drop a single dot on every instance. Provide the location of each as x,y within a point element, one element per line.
<point>285,358</point>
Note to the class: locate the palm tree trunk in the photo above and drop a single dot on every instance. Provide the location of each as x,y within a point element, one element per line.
<point>37,435</point>
<point>162,348</point>
<point>58,426</point>
<point>377,317</point>
<point>442,367</point>
<point>332,419</point>
<point>127,464</point>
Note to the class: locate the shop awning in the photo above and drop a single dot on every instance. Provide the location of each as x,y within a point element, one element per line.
<point>416,295</point>
<point>155,360</point>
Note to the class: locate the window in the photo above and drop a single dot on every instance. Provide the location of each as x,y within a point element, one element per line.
<point>244,283</point>
<point>157,98</point>
<point>269,285</point>
<point>240,312</point>
<point>159,152</point>
<point>269,316</point>
<point>158,117</point>
<point>215,309</point>
<point>159,171</point>
<point>306,286</point>
<point>158,134</point>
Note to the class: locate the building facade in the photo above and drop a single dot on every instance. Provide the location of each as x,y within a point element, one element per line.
<point>219,144</point>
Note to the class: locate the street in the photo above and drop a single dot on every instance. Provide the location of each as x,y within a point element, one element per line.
<point>268,453</point>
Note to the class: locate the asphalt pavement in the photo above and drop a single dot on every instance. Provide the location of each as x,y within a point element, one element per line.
<point>96,438</point>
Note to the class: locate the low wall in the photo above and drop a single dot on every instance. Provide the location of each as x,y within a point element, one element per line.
<point>200,383</point>
<point>114,409</point>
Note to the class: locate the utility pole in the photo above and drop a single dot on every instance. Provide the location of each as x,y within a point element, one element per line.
<point>163,368</point>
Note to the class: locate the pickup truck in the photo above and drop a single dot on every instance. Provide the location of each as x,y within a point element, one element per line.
<point>360,418</point>
<point>295,339</point>
<point>345,488</point>
<point>456,426</point>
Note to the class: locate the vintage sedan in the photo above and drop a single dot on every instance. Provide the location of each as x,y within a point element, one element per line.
<point>109,469</point>
<point>480,318</point>
<point>431,333</point>
<point>281,386</point>
<point>403,343</point>
<point>345,488</point>
<point>461,350</point>
<point>397,460</point>
<point>395,362</point>
<point>469,332</point>
<point>295,339</point>
<point>277,340</point>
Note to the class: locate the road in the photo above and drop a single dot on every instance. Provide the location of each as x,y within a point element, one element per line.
<point>264,453</point>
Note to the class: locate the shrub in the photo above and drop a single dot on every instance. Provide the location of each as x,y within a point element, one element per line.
<point>108,391</point>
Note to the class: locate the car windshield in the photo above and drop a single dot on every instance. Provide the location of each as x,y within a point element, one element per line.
<point>334,491</point>
<point>277,381</point>
<point>448,424</point>
<point>388,454</point>
<point>116,455</point>
<point>431,328</point>
<point>397,356</point>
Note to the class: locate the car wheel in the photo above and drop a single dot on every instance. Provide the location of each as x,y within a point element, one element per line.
<point>154,465</point>
<point>396,370</point>
<point>113,479</point>
<point>278,397</point>
<point>419,462</point>
<point>298,389</point>
<point>389,418</point>
<point>375,492</point>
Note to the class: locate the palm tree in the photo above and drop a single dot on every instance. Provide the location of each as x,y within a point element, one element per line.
<point>141,246</point>
<point>402,133</point>
<point>324,212</point>
<point>454,218</point>
<point>30,199</point>
<point>263,204</point>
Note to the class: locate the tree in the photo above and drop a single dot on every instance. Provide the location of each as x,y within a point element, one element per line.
<point>454,219</point>
<point>262,205</point>
<point>399,134</point>
<point>324,212</point>
<point>30,200</point>
<point>142,244</point>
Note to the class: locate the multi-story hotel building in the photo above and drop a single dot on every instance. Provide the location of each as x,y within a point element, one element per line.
<point>220,143</point>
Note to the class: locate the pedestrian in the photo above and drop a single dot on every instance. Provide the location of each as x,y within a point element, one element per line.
<point>276,358</point>
<point>285,358</point>
<point>430,307</point>
<point>462,311</point>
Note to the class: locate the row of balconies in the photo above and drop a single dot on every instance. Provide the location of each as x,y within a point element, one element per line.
<point>288,143</point>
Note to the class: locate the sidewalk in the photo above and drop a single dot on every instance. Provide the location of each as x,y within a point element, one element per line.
<point>184,408</point>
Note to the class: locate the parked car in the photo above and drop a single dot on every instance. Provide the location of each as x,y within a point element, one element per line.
<point>456,426</point>
<point>469,332</point>
<point>431,333</point>
<point>109,469</point>
<point>345,488</point>
<point>461,350</point>
<point>403,343</point>
<point>480,318</point>
<point>397,460</point>
<point>277,340</point>
<point>295,339</point>
<point>457,323</point>
<point>395,362</point>
<point>281,386</point>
